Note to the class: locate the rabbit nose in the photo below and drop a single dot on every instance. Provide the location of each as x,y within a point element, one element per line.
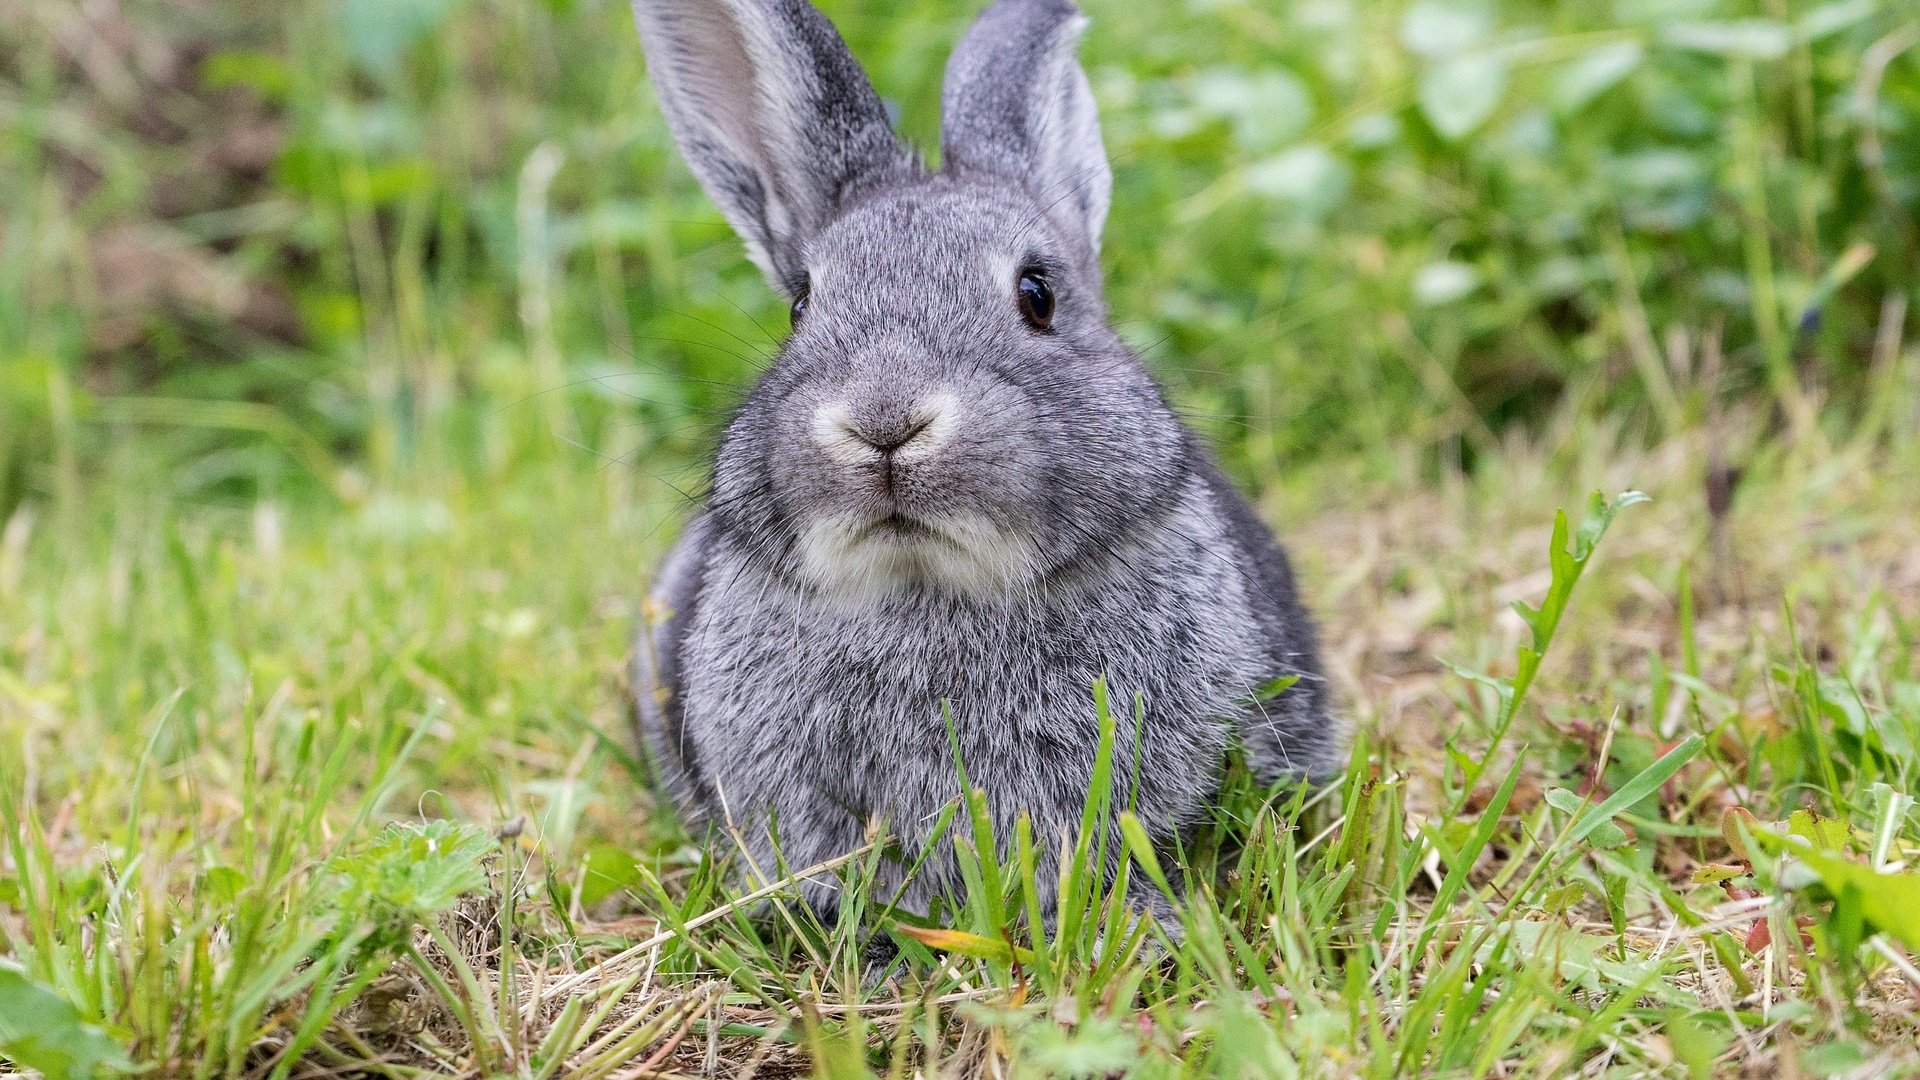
<point>889,435</point>
<point>869,433</point>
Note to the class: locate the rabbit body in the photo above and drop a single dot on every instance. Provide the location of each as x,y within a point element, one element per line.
<point>946,499</point>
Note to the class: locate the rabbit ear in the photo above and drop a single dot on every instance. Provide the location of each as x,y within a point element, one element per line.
<point>1016,102</point>
<point>772,112</point>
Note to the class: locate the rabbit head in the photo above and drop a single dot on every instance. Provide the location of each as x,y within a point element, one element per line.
<point>951,410</point>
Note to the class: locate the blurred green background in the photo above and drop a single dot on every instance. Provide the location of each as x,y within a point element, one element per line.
<point>295,249</point>
<point>357,357</point>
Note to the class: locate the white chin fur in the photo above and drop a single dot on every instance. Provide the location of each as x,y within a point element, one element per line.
<point>840,556</point>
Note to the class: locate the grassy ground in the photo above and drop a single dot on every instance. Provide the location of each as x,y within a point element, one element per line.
<point>355,357</point>
<point>214,710</point>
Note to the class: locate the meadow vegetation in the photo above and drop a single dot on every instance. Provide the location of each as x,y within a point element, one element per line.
<point>358,358</point>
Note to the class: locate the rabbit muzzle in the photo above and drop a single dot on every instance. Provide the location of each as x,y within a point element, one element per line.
<point>895,527</point>
<point>884,435</point>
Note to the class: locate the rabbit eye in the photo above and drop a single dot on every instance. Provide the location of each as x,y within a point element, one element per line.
<point>1036,299</point>
<point>800,304</point>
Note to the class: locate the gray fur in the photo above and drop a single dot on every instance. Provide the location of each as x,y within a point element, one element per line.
<point>1058,524</point>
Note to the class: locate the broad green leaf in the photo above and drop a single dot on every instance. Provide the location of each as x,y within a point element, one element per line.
<point>379,32</point>
<point>1559,899</point>
<point>1825,834</point>
<point>419,869</point>
<point>1594,73</point>
<point>1840,1057</point>
<point>1099,1047</point>
<point>1444,282</point>
<point>1890,902</point>
<point>1715,873</point>
<point>221,884</point>
<point>41,1030</point>
<point>1565,800</point>
<point>1607,835</point>
<point>1308,176</point>
<point>1371,131</point>
<point>1437,28</point>
<point>1458,93</point>
<point>1266,108</point>
<point>609,870</point>
<point>1697,1043</point>
<point>1584,959</point>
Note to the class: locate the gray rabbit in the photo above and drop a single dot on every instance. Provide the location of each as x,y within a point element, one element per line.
<point>955,488</point>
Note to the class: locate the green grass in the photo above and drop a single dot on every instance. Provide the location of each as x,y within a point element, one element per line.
<point>355,359</point>
<point>214,712</point>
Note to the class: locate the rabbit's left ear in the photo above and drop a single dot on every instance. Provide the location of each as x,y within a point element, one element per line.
<point>1015,102</point>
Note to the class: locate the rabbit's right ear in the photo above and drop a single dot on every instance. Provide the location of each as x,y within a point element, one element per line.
<point>772,112</point>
